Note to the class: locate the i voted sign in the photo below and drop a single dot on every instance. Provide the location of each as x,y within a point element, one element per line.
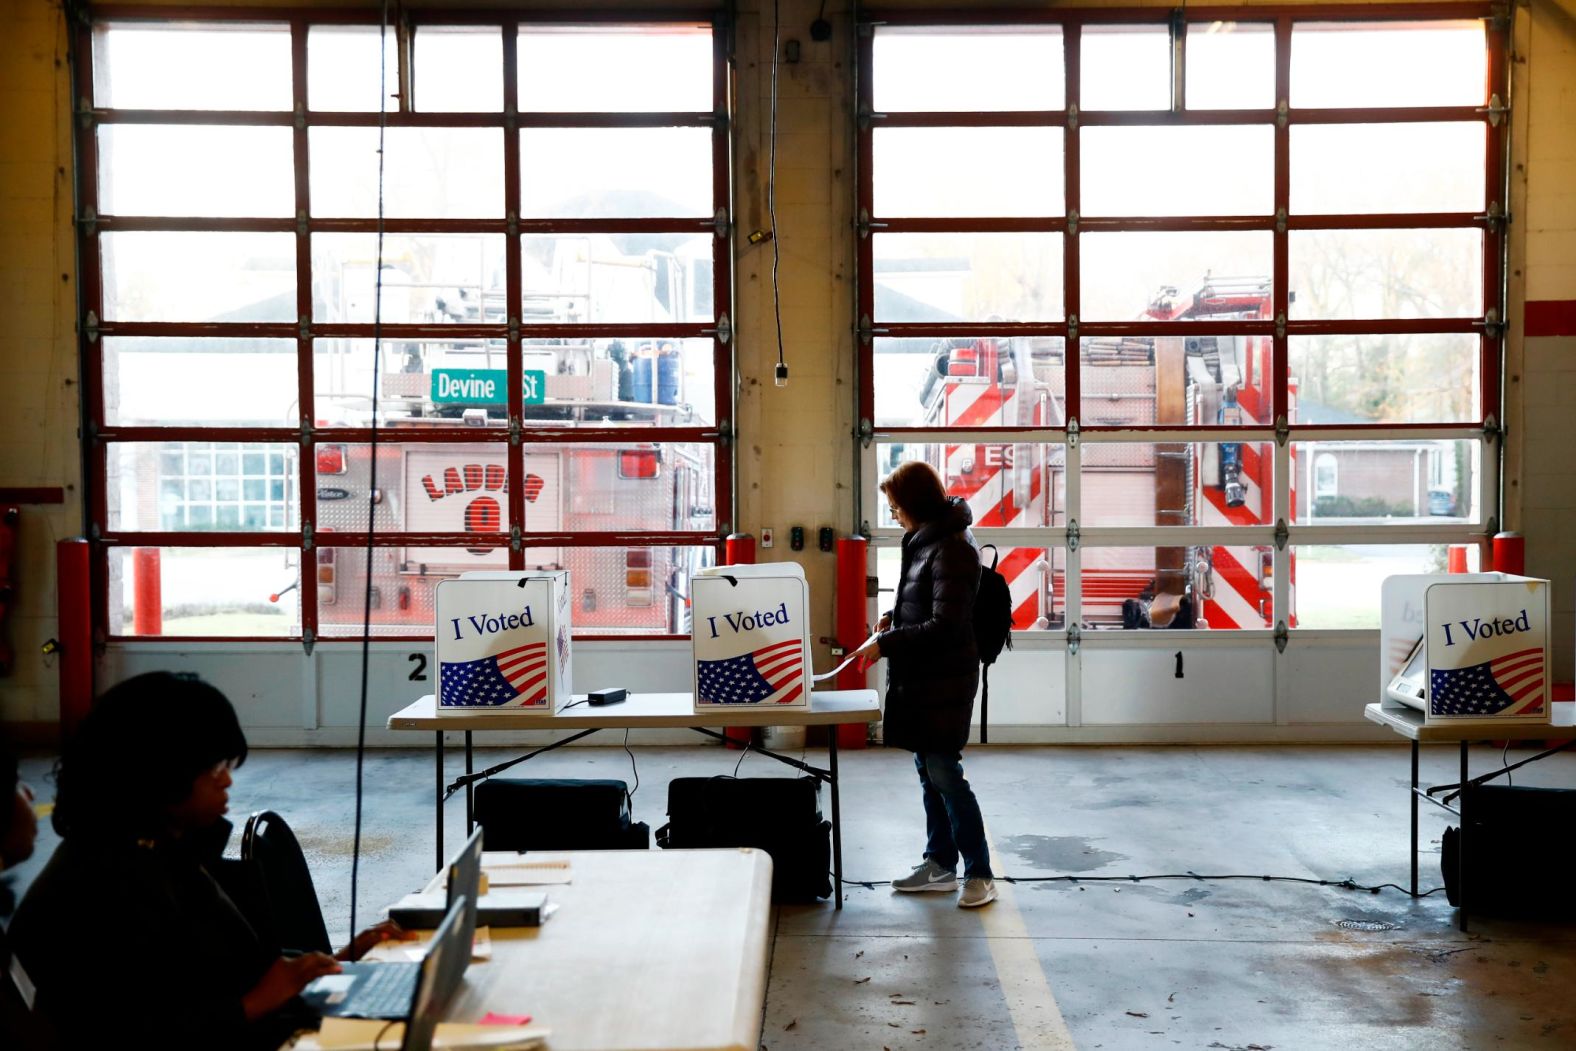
<point>485,387</point>
<point>501,643</point>
<point>751,636</point>
<point>1487,650</point>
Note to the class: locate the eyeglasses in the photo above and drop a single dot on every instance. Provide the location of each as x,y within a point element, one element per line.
<point>219,769</point>
<point>893,508</point>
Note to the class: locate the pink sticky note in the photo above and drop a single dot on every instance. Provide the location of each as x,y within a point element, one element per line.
<point>494,1018</point>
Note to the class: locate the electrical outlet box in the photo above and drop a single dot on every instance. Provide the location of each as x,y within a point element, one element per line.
<point>767,537</point>
<point>796,538</point>
<point>825,538</point>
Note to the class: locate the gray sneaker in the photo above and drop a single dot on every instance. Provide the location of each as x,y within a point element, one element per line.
<point>929,876</point>
<point>977,892</point>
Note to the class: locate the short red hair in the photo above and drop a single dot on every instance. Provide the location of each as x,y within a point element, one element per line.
<point>916,489</point>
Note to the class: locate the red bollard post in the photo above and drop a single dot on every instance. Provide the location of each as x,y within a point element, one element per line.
<point>853,624</point>
<point>147,603</point>
<point>1510,553</point>
<point>74,630</point>
<point>1456,559</point>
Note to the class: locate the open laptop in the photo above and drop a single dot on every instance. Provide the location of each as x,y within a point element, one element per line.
<point>441,972</point>
<point>384,990</point>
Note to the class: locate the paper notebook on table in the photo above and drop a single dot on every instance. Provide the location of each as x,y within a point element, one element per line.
<point>359,1034</point>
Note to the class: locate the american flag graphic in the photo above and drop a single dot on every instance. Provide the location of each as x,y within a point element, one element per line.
<point>495,680</point>
<point>1508,685</point>
<point>753,677</point>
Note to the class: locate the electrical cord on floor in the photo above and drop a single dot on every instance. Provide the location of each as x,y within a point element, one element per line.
<point>741,758</point>
<point>629,796</point>
<point>1504,762</point>
<point>1343,884</point>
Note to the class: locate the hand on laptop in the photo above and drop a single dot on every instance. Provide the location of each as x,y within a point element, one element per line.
<point>361,944</point>
<point>285,978</point>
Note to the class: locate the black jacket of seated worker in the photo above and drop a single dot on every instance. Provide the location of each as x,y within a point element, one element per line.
<point>125,933</point>
<point>933,666</point>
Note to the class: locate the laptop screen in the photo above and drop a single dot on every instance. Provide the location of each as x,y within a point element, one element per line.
<point>442,970</point>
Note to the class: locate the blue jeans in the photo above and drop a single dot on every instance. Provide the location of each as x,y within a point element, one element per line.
<point>953,823</point>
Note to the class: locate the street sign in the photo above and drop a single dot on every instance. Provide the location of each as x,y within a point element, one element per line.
<point>534,387</point>
<point>470,386</point>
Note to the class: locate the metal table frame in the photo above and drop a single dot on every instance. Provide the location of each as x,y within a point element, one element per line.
<point>834,708</point>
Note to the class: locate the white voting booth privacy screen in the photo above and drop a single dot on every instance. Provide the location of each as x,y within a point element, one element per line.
<point>1466,647</point>
<point>503,642</point>
<point>751,635</point>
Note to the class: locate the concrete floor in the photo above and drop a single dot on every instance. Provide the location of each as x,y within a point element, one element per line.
<point>1239,965</point>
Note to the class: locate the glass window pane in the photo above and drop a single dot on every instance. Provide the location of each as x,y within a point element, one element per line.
<point>1121,169</point>
<point>1424,481</point>
<point>664,69</point>
<point>935,68</point>
<point>946,171</point>
<point>1006,485</point>
<point>922,381</point>
<point>1337,585</point>
<point>1162,275</point>
<point>616,278</point>
<point>968,277</point>
<point>429,173</point>
<point>462,488</point>
<point>1340,275</point>
<point>1398,168</point>
<point>458,69</point>
<point>427,278</point>
<point>224,591</point>
<point>160,276</point>
<point>1030,572</point>
<point>342,67</point>
<point>1388,64</point>
<point>143,495</point>
<point>1202,380</point>
<point>1230,65</point>
<point>1125,67</point>
<point>1395,378</point>
<point>1220,587</point>
<point>218,170</point>
<point>1178,484</point>
<point>615,173</point>
<point>195,65</point>
<point>153,380</point>
<point>605,599</point>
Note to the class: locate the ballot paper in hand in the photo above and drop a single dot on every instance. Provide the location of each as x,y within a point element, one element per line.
<point>849,660</point>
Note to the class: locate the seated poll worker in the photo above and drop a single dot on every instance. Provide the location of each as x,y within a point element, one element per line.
<point>125,933</point>
<point>20,1029</point>
<point>933,669</point>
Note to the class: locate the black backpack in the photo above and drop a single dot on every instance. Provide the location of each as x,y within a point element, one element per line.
<point>992,626</point>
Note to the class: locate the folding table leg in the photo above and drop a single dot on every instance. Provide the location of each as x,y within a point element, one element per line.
<point>438,752</point>
<point>470,818</point>
<point>837,819</point>
<point>1461,843</point>
<point>1414,818</point>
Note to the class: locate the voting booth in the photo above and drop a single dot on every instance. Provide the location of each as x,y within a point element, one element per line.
<point>503,642</point>
<point>751,632</point>
<point>1466,648</point>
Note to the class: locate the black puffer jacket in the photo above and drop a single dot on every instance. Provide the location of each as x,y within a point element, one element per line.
<point>932,665</point>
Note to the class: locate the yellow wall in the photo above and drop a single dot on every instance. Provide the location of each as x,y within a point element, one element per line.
<point>795,450</point>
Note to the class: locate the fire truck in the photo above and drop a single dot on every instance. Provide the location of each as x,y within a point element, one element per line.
<point>1126,382</point>
<point>567,487</point>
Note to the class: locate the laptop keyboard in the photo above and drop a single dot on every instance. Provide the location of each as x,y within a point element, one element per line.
<point>386,991</point>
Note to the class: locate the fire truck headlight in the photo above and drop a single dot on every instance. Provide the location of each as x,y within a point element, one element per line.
<point>1236,494</point>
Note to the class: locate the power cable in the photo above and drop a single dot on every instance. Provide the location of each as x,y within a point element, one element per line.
<point>771,196</point>
<point>372,459</point>
<point>1342,884</point>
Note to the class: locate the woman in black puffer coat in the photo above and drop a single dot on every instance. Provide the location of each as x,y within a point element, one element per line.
<point>932,675</point>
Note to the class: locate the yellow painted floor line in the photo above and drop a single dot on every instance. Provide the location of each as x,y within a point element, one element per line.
<point>1035,1016</point>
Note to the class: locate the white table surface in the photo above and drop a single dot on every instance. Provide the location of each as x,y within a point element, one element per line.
<point>655,710</point>
<point>1408,722</point>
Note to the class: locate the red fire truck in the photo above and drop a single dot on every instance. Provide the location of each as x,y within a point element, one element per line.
<point>1126,382</point>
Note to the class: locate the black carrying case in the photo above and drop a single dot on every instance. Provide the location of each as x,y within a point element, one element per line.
<point>531,813</point>
<point>1519,856</point>
<point>780,815</point>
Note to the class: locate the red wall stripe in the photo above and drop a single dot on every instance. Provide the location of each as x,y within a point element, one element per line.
<point>1551,317</point>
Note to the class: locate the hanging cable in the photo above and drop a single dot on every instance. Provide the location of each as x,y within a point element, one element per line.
<point>771,197</point>
<point>372,461</point>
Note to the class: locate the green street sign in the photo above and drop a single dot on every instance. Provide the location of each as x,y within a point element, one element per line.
<point>470,386</point>
<point>534,386</point>
<point>484,386</point>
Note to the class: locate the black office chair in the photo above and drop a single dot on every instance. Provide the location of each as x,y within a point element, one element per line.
<point>293,908</point>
